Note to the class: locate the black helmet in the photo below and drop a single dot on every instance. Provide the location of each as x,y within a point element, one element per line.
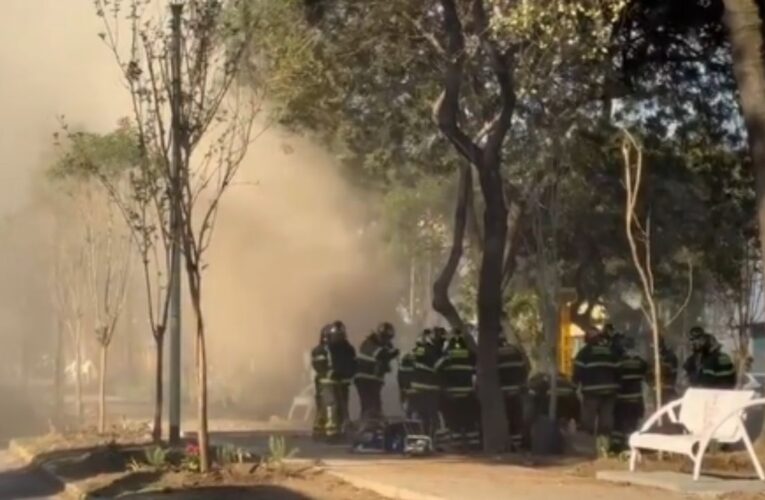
<point>609,330</point>
<point>337,330</point>
<point>325,333</point>
<point>696,332</point>
<point>385,331</point>
<point>592,335</point>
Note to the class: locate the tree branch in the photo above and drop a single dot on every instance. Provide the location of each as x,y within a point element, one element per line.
<point>441,301</point>
<point>687,295</point>
<point>502,65</point>
<point>446,109</point>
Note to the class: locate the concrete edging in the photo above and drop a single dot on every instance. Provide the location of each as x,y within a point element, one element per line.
<point>70,490</point>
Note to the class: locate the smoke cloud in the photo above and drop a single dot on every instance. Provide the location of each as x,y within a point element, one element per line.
<point>292,251</point>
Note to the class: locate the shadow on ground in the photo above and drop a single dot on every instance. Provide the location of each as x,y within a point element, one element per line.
<point>308,449</point>
<point>27,482</point>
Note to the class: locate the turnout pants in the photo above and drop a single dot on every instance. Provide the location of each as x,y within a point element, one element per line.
<point>627,416</point>
<point>344,394</point>
<point>598,414</point>
<point>370,397</point>
<point>331,400</point>
<point>514,412</point>
<point>320,414</point>
<point>462,414</point>
<point>424,405</point>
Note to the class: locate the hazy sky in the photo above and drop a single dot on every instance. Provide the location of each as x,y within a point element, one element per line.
<point>52,63</point>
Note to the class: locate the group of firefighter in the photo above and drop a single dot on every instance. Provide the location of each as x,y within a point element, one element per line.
<point>437,383</point>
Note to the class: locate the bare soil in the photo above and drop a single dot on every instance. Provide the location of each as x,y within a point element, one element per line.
<point>115,465</point>
<point>274,485</point>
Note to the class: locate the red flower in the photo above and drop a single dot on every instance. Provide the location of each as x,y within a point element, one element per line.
<point>192,449</point>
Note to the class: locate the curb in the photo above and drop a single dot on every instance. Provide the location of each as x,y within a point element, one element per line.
<point>70,490</point>
<point>381,489</point>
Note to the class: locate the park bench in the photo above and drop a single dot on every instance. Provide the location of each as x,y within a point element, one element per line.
<point>704,416</point>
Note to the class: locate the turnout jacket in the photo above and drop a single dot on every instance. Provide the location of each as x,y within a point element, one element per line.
<point>632,373</point>
<point>596,370</point>
<point>373,360</point>
<point>711,370</point>
<point>425,378</point>
<point>457,368</point>
<point>513,369</point>
<point>342,362</point>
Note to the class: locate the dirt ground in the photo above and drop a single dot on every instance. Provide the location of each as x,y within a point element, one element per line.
<point>115,465</point>
<point>102,465</point>
<point>283,485</point>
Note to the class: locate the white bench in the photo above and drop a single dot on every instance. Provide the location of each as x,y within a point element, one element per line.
<point>707,415</point>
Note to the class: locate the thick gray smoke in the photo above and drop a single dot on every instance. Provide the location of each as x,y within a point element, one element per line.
<point>291,252</point>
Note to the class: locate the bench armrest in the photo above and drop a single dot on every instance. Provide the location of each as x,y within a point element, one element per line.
<point>661,412</point>
<point>708,435</point>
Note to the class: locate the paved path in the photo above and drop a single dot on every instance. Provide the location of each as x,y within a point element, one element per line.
<point>18,481</point>
<point>448,478</point>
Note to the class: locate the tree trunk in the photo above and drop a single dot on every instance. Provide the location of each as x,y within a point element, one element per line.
<point>441,301</point>
<point>551,324</point>
<point>194,279</point>
<point>102,390</point>
<point>490,302</point>
<point>204,459</point>
<point>58,368</point>
<point>78,375</point>
<point>412,286</point>
<point>744,22</point>
<point>156,431</point>
<point>428,292</point>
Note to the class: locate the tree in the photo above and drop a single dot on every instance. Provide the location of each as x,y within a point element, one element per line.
<point>642,258</point>
<point>743,19</point>
<point>506,55</point>
<point>69,301</point>
<point>108,254</point>
<point>196,102</point>
<point>140,196</point>
<point>94,287</point>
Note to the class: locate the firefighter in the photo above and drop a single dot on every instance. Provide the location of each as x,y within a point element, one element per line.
<point>456,369</point>
<point>404,378</point>
<point>629,407</point>
<point>539,397</point>
<point>320,365</point>
<point>513,371</point>
<point>375,354</point>
<point>707,366</point>
<point>596,373</point>
<point>425,383</point>
<point>342,367</point>
<point>669,365</point>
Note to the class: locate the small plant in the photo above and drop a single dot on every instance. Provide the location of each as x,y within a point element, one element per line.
<point>230,454</point>
<point>156,457</point>
<point>278,451</point>
<point>135,466</point>
<point>191,460</point>
<point>602,445</point>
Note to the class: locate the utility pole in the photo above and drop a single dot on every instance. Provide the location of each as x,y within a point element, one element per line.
<point>174,399</point>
